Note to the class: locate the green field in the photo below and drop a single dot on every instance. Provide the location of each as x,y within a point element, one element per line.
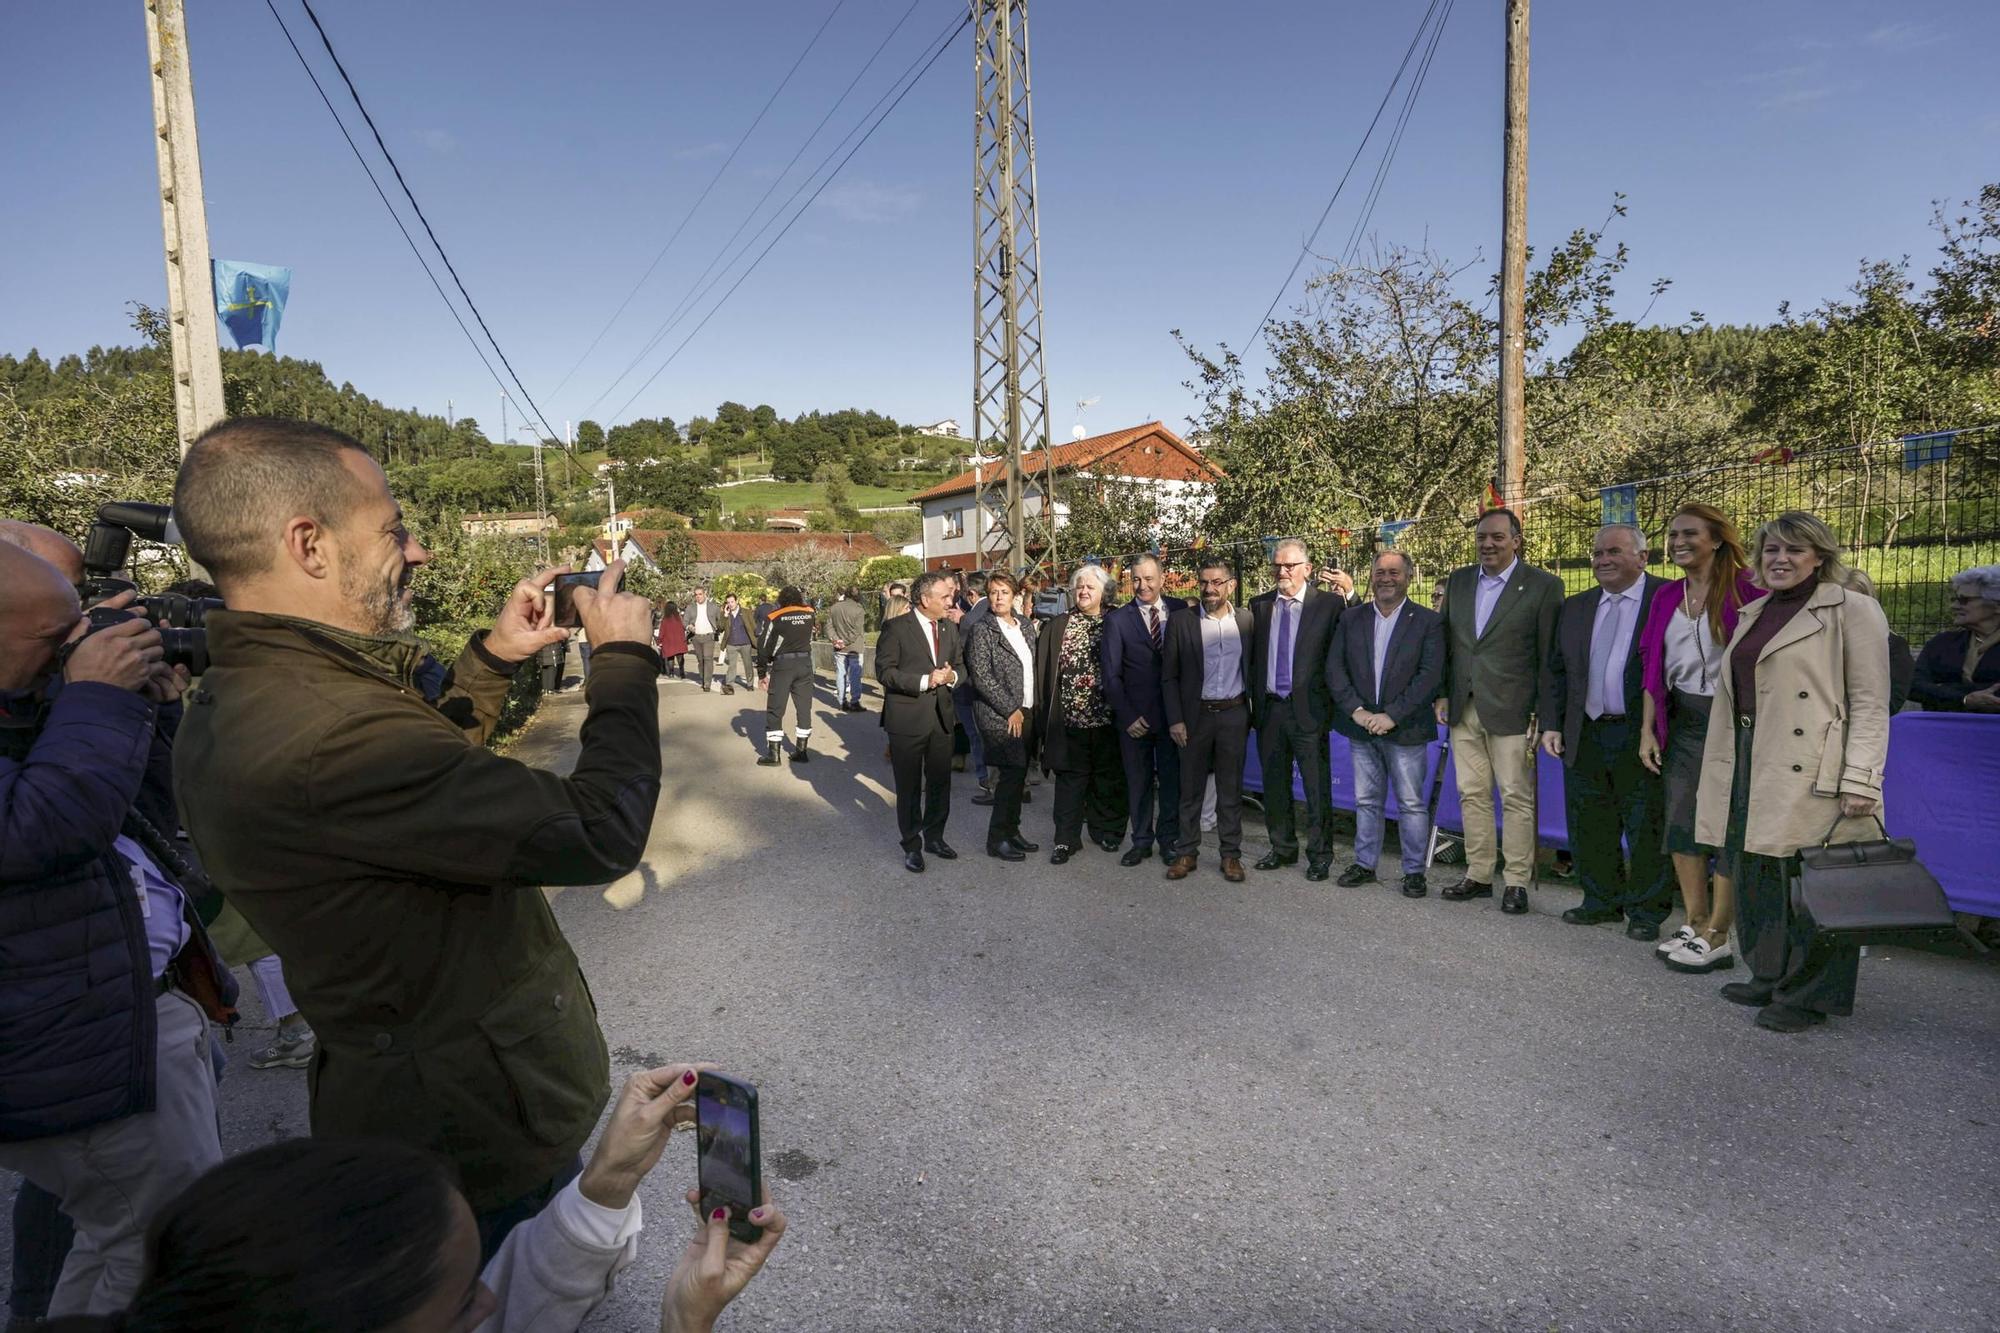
<point>805,495</point>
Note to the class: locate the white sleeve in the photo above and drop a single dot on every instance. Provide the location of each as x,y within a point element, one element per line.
<point>554,1268</point>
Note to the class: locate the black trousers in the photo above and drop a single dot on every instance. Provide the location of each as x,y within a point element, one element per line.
<point>1009,781</point>
<point>1799,967</point>
<point>1282,742</point>
<point>922,765</point>
<point>1609,797</point>
<point>1217,742</point>
<point>791,677</point>
<point>1090,787</point>
<point>1152,766</point>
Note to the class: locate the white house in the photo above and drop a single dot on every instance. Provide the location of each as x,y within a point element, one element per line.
<point>955,534</point>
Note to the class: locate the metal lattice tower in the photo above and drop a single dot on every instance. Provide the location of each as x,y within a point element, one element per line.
<point>1014,525</point>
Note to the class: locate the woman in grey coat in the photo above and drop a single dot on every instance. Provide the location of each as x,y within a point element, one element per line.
<point>1000,659</point>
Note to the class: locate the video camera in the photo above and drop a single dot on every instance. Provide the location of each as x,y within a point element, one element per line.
<point>108,548</point>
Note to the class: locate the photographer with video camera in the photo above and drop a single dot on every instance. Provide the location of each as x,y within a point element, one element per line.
<point>107,979</point>
<point>368,835</point>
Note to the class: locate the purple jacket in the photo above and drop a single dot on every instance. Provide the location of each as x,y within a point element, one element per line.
<point>1653,637</point>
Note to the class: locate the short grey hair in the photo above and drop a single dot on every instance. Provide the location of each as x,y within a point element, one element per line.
<point>1093,572</point>
<point>1409,565</point>
<point>1293,544</point>
<point>1980,581</point>
<point>1638,535</point>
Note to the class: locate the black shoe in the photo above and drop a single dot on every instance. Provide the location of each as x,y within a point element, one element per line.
<point>729,689</point>
<point>1415,886</point>
<point>984,796</point>
<point>1593,916</point>
<point>1108,844</point>
<point>1005,850</point>
<point>941,849</point>
<point>1318,868</point>
<point>1061,855</point>
<point>1135,856</point>
<point>1746,992</point>
<point>1356,874</point>
<point>1514,902</point>
<point>802,754</point>
<point>913,860</point>
<point>770,759</point>
<point>1788,1018</point>
<point>1642,930</point>
<point>1277,860</point>
<point>1023,843</point>
<point>1465,891</point>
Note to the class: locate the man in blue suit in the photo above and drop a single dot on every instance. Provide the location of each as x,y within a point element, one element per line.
<point>1135,636</point>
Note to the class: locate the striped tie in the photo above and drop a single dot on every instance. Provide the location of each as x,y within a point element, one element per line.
<point>1153,625</point>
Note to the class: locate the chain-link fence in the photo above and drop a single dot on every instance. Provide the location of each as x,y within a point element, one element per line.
<point>1912,512</point>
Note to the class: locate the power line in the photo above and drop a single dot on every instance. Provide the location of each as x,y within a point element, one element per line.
<point>1416,90</point>
<point>661,369</point>
<point>696,208</point>
<point>352,91</point>
<point>1306,249</point>
<point>394,217</point>
<point>679,308</point>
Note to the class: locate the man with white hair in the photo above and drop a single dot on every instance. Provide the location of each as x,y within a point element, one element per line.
<point>1291,707</point>
<point>1959,670</point>
<point>1590,721</point>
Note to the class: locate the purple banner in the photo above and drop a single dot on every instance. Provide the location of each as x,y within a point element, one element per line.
<point>1943,791</point>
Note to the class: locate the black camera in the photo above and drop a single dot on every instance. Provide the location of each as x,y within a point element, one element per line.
<point>106,551</point>
<point>183,647</point>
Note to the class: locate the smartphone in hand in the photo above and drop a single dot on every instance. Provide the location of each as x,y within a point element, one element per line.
<point>566,615</point>
<point>729,1169</point>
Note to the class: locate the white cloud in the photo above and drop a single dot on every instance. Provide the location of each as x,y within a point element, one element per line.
<point>1903,36</point>
<point>866,201</point>
<point>438,141</point>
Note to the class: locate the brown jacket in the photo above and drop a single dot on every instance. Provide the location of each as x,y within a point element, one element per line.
<point>1822,727</point>
<point>394,863</point>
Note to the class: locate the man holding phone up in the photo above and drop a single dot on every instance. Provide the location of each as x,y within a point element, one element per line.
<point>392,860</point>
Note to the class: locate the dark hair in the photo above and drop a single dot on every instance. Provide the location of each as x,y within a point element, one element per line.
<point>976,581</point>
<point>194,588</point>
<point>672,608</point>
<point>926,581</point>
<point>789,595</point>
<point>1000,578</point>
<point>1513,519</point>
<point>246,476</point>
<point>1220,562</point>
<point>302,1235</point>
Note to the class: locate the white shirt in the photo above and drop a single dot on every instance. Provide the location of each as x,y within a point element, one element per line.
<point>1385,630</point>
<point>1019,643</point>
<point>933,639</point>
<point>1486,597</point>
<point>1611,649</point>
<point>1693,655</point>
<point>701,624</point>
<point>1221,655</point>
<point>1152,615</point>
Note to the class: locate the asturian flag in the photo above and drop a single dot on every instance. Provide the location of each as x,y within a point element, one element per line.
<point>250,302</point>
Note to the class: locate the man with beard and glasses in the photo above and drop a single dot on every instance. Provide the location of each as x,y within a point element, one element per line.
<point>369,836</point>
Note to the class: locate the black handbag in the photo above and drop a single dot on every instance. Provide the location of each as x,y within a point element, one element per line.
<point>1861,892</point>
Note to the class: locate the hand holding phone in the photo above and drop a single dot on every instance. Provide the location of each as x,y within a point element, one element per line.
<point>567,616</point>
<point>729,1166</point>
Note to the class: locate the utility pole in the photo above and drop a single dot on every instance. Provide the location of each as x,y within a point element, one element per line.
<point>505,438</point>
<point>1513,471</point>
<point>541,505</point>
<point>184,219</point>
<point>1010,394</point>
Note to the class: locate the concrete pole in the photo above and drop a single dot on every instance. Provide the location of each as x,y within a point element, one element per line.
<point>184,220</point>
<point>1514,264</point>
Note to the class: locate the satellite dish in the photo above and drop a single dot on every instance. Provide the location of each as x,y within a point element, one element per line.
<point>1077,431</point>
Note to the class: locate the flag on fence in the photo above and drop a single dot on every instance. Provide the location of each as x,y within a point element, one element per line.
<point>1271,548</point>
<point>1493,498</point>
<point>1345,536</point>
<point>1620,504</point>
<point>250,302</point>
<point>1777,453</point>
<point>1921,449</point>
<point>1387,533</point>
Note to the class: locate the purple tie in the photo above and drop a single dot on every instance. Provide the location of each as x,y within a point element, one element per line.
<point>1284,677</point>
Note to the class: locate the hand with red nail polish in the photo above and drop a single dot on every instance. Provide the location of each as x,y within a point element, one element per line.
<point>716,1266</point>
<point>651,1104</point>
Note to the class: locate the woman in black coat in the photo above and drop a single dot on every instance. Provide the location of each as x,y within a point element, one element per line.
<point>1000,660</point>
<point>1079,742</point>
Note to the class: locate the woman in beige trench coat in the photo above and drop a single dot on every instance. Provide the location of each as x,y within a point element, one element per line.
<point>1795,757</point>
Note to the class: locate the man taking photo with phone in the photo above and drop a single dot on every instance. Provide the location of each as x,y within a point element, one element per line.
<point>391,859</point>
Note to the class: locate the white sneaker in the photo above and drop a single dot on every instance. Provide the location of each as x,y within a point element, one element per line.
<point>1698,955</point>
<point>1675,940</point>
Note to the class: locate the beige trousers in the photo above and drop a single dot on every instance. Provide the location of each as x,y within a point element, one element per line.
<point>1483,759</point>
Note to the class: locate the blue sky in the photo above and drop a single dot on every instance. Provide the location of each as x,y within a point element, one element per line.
<point>1184,149</point>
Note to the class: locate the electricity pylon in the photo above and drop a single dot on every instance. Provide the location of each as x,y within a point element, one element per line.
<point>1010,394</point>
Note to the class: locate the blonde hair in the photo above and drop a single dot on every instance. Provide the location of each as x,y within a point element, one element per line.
<point>1795,527</point>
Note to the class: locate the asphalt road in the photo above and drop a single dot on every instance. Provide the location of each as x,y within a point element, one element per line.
<point>1025,1097</point>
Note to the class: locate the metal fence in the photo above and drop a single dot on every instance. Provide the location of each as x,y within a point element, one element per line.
<point>1911,512</point>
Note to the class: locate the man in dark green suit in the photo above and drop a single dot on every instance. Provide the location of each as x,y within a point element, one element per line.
<point>1500,631</point>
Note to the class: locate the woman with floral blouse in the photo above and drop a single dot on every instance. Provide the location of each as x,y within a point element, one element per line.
<point>1079,744</point>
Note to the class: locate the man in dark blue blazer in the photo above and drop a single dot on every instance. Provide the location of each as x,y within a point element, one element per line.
<point>1291,709</point>
<point>1383,668</point>
<point>1135,636</point>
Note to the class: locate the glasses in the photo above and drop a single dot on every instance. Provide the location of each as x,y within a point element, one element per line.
<point>1289,564</point>
<point>1217,584</point>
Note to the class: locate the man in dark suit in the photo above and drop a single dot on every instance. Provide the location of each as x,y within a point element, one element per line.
<point>1205,689</point>
<point>918,659</point>
<point>1384,669</point>
<point>1291,709</point>
<point>1591,722</point>
<point>1500,633</point>
<point>1135,638</point>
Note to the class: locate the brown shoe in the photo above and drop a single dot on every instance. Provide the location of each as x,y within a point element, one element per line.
<point>1232,869</point>
<point>1180,867</point>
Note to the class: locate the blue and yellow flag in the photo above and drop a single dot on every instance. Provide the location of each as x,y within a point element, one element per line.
<point>250,302</point>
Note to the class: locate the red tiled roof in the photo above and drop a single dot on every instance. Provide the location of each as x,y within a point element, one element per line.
<point>1168,458</point>
<point>745,547</point>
